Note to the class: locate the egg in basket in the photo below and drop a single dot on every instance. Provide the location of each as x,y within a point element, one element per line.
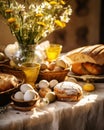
<point>57,69</point>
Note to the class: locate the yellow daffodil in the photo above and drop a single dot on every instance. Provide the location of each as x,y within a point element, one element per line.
<point>53,2</point>
<point>39,15</point>
<point>41,23</point>
<point>11,20</point>
<point>8,11</point>
<point>62,2</point>
<point>59,23</point>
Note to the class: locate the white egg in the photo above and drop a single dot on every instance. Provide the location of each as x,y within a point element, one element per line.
<point>25,87</point>
<point>29,95</point>
<point>43,84</point>
<point>52,83</point>
<point>19,95</point>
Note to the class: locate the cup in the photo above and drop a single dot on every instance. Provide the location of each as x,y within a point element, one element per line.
<point>31,71</point>
<point>53,52</point>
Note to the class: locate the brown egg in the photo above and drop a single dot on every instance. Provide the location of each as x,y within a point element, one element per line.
<point>58,68</point>
<point>44,91</point>
<point>46,70</point>
<point>43,66</point>
<point>52,66</point>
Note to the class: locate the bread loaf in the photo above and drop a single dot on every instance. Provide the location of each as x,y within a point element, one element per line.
<point>93,54</point>
<point>87,60</point>
<point>68,91</point>
<point>87,69</point>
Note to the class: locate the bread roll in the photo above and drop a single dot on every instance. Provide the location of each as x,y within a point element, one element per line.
<point>92,54</point>
<point>93,69</point>
<point>44,91</point>
<point>78,69</point>
<point>7,82</point>
<point>68,91</point>
<point>62,62</point>
<point>87,69</point>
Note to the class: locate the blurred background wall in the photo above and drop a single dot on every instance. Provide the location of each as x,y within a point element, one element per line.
<point>84,27</point>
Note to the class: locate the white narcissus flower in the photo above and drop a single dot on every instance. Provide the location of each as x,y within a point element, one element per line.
<point>11,49</point>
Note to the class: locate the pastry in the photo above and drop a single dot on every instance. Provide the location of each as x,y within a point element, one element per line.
<point>7,81</point>
<point>44,91</point>
<point>68,91</point>
<point>62,62</point>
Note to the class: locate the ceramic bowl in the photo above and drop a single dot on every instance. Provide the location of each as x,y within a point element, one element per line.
<point>22,103</point>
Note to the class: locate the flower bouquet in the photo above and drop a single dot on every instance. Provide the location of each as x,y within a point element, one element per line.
<point>32,20</point>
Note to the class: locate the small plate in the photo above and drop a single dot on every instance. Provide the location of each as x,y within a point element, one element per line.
<point>88,78</point>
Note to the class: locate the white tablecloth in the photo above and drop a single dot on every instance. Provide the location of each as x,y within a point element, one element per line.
<point>86,114</point>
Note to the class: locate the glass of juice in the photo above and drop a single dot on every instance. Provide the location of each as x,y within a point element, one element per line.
<point>31,71</point>
<point>53,52</point>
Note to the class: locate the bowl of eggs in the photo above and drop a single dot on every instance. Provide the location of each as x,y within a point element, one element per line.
<point>25,97</point>
<point>54,70</point>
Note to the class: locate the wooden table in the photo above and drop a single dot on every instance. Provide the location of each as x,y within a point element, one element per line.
<point>86,114</point>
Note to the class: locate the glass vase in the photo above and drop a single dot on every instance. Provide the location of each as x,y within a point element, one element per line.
<point>25,54</point>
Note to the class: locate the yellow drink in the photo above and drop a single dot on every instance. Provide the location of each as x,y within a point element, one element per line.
<point>53,51</point>
<point>31,71</point>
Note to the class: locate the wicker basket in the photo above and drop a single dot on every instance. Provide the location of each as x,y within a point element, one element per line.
<point>10,70</point>
<point>5,96</point>
<point>6,61</point>
<point>58,75</point>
